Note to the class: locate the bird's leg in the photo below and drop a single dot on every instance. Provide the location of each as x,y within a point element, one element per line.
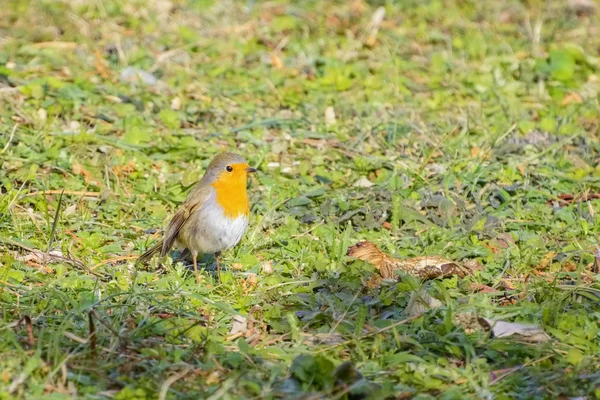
<point>195,258</point>
<point>217,255</point>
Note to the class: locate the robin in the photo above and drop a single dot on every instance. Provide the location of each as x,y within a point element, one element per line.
<point>214,216</point>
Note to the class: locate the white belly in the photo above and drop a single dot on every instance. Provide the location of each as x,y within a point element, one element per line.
<point>208,231</point>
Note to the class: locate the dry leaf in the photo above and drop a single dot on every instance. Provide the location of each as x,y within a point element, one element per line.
<point>472,265</point>
<point>251,328</point>
<point>426,267</point>
<point>420,302</point>
<point>101,64</point>
<point>239,325</point>
<point>571,97</point>
<point>267,267</point>
<point>323,338</point>
<point>87,176</point>
<point>176,103</point>
<point>213,378</point>
<point>526,332</point>
<point>249,284</point>
<point>363,182</point>
<point>481,288</point>
<point>276,61</point>
<point>374,26</point>
<point>54,45</point>
<point>469,321</point>
<point>39,259</point>
<point>545,262</point>
<point>329,116</point>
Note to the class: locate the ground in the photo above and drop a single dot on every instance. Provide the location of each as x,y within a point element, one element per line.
<point>461,129</point>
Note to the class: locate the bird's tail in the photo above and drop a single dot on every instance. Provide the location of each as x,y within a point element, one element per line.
<point>150,253</point>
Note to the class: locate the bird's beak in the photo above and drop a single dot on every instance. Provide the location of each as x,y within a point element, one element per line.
<point>250,169</point>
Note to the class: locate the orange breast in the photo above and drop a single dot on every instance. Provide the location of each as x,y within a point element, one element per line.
<point>232,196</point>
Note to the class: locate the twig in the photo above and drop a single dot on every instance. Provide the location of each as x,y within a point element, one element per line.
<point>106,325</point>
<point>164,389</point>
<point>68,260</point>
<point>92,334</point>
<point>12,134</point>
<point>55,222</point>
<point>339,321</point>
<point>74,192</point>
<point>387,328</point>
<point>29,327</point>
<point>290,283</point>
<point>110,260</point>
<point>519,367</point>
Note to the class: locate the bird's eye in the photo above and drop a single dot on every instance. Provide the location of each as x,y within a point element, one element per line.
<point>229,168</point>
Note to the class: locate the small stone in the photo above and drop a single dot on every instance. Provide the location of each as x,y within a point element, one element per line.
<point>267,267</point>
<point>176,104</point>
<point>363,182</point>
<point>134,75</point>
<point>42,114</point>
<point>70,210</point>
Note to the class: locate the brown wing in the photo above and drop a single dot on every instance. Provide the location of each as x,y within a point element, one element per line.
<point>194,202</point>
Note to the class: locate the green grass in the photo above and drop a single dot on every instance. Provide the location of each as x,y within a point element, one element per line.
<point>468,124</point>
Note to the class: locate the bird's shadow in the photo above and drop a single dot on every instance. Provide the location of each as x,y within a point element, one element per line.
<point>206,261</point>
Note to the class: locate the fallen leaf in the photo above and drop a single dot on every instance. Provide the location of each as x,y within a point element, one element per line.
<point>472,265</point>
<point>571,97</point>
<point>87,176</point>
<point>124,169</point>
<point>213,378</point>
<point>176,104</point>
<point>41,257</point>
<point>363,183</point>
<point>373,282</point>
<point>566,199</point>
<point>238,325</point>
<point>481,288</point>
<point>526,332</point>
<point>54,45</point>
<point>469,321</point>
<point>503,241</point>
<point>420,302</point>
<point>267,267</point>
<point>101,64</point>
<point>544,262</point>
<point>135,75</point>
<point>506,285</point>
<point>425,267</point>
<point>330,116</point>
<point>276,62</point>
<point>374,26</point>
<point>323,338</point>
<point>70,210</point>
<point>569,266</point>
